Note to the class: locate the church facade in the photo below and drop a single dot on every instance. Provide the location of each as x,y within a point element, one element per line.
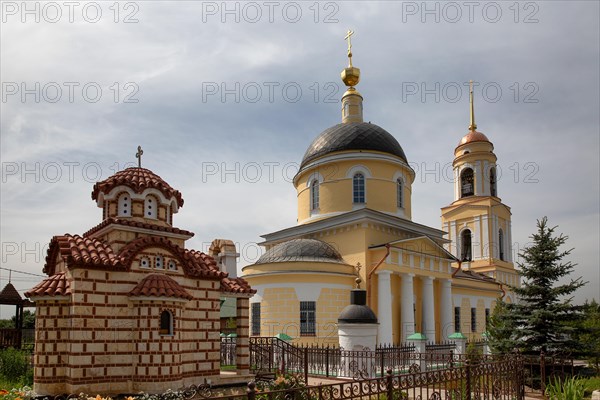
<point>126,307</point>
<point>354,191</point>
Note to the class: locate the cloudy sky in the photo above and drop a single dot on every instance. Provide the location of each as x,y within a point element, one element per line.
<point>225,97</point>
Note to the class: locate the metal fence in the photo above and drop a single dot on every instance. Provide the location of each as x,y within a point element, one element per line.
<point>228,351</point>
<point>488,377</point>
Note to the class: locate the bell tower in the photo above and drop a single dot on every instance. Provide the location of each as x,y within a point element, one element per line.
<point>477,222</point>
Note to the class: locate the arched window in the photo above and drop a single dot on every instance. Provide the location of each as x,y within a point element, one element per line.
<point>166,323</point>
<point>150,207</point>
<point>314,195</point>
<point>358,189</point>
<point>501,244</point>
<point>466,253</point>
<point>172,265</point>
<point>124,205</point>
<point>159,262</point>
<point>400,192</point>
<point>145,262</point>
<point>168,215</point>
<point>493,181</point>
<point>466,183</point>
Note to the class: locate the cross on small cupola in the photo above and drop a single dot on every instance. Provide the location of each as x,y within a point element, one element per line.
<point>138,155</point>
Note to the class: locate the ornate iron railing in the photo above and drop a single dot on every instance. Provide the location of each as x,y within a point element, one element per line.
<point>487,378</point>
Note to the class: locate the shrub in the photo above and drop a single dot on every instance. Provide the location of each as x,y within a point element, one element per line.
<point>15,366</point>
<point>569,389</point>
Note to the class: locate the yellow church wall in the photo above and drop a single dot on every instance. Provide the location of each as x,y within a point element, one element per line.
<point>335,190</point>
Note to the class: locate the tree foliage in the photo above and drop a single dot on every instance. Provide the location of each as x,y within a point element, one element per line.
<point>501,329</point>
<point>587,333</point>
<point>542,317</point>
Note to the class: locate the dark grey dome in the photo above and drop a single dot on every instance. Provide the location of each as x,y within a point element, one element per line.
<point>355,314</point>
<point>353,136</point>
<point>301,250</point>
<point>358,312</point>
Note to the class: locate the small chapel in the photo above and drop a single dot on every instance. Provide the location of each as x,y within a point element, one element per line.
<point>126,306</point>
<point>354,199</point>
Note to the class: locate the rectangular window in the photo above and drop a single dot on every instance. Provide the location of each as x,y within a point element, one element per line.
<point>255,309</point>
<point>456,319</point>
<point>487,317</point>
<point>473,319</point>
<point>308,318</point>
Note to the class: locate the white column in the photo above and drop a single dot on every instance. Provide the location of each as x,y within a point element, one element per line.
<point>485,234</point>
<point>508,235</point>
<point>456,184</point>
<point>407,310</point>
<point>454,238</point>
<point>476,242</point>
<point>384,306</point>
<point>447,310</point>
<point>478,178</point>
<point>486,178</point>
<point>428,308</point>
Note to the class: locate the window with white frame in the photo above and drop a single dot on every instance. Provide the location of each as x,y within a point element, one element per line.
<point>150,207</point>
<point>145,262</point>
<point>159,262</point>
<point>466,253</point>
<point>400,193</point>
<point>124,205</point>
<point>172,265</point>
<point>314,195</point>
<point>308,311</point>
<point>358,188</point>
<point>467,187</point>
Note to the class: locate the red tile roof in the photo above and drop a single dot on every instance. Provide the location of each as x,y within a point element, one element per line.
<point>137,224</point>
<point>56,285</point>
<point>158,285</point>
<point>93,253</point>
<point>236,285</point>
<point>138,179</point>
<point>81,251</point>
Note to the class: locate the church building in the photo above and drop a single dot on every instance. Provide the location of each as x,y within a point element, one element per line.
<point>126,307</point>
<point>354,192</point>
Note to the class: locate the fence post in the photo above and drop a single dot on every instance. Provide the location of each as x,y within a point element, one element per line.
<point>467,395</point>
<point>306,365</point>
<point>327,361</point>
<point>543,371</point>
<point>389,384</point>
<point>251,391</point>
<point>382,356</point>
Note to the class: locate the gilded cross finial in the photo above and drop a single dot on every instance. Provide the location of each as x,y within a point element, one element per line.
<point>138,155</point>
<point>349,39</point>
<point>473,125</point>
<point>357,270</point>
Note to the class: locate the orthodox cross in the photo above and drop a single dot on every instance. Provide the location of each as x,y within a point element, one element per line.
<point>138,155</point>
<point>349,39</point>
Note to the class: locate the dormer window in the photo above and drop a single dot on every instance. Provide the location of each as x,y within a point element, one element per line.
<point>124,205</point>
<point>358,189</point>
<point>466,183</point>
<point>150,207</point>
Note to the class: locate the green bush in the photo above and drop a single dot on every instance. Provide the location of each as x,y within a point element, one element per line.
<point>15,367</point>
<point>569,389</point>
<point>590,384</point>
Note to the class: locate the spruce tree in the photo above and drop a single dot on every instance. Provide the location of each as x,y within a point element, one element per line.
<point>543,313</point>
<point>501,329</point>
